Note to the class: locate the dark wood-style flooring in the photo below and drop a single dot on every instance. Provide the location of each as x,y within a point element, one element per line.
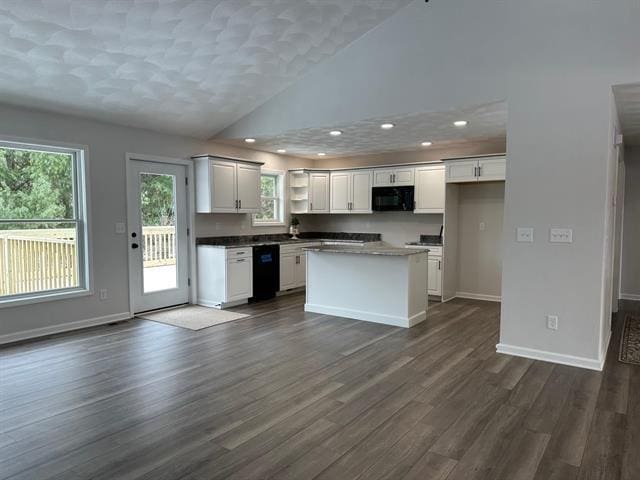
<point>290,395</point>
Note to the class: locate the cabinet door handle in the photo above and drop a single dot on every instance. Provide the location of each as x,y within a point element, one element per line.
<point>297,259</point>
<point>310,205</point>
<point>439,265</point>
<point>480,171</point>
<point>239,203</point>
<point>239,260</point>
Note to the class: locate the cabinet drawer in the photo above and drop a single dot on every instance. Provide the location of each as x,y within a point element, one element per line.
<point>239,253</point>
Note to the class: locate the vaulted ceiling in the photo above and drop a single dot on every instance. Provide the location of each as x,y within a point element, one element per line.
<point>180,66</point>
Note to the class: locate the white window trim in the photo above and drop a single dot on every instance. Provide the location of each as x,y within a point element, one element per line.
<point>81,185</point>
<point>281,195</point>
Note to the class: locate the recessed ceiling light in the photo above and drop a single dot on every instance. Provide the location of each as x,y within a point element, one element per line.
<point>335,133</point>
<point>460,123</point>
<point>426,144</point>
<point>250,140</point>
<point>387,126</point>
<point>281,150</point>
<point>321,154</point>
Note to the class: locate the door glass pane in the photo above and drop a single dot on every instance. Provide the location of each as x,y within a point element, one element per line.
<point>158,242</point>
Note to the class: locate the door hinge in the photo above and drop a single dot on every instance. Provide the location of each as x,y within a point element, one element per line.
<point>188,282</point>
<point>186,180</point>
<point>188,232</point>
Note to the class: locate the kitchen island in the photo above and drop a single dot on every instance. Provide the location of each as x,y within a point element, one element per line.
<point>376,283</point>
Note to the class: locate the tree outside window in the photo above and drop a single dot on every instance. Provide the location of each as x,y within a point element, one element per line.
<point>271,200</point>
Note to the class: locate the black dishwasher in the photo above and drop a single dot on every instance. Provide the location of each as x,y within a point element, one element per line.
<point>266,271</point>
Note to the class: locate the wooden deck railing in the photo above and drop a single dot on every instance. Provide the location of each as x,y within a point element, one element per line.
<point>45,259</point>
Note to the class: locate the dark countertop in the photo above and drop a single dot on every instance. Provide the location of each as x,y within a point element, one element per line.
<point>284,239</point>
<point>428,241</point>
<point>377,248</point>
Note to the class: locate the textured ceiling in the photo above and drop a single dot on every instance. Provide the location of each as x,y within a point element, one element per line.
<point>486,122</point>
<point>628,105</point>
<point>183,66</point>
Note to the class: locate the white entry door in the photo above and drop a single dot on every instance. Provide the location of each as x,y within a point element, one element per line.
<point>158,240</point>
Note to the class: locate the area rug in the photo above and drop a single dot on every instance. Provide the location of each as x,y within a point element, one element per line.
<point>193,317</point>
<point>630,342</point>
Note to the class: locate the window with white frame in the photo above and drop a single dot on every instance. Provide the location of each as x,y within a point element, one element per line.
<point>43,237</point>
<point>271,199</point>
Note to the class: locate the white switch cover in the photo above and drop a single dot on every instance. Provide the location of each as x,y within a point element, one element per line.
<point>121,227</point>
<point>561,235</point>
<point>552,322</point>
<point>483,226</point>
<point>525,234</point>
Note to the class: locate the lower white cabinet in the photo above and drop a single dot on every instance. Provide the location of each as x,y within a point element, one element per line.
<point>434,276</point>
<point>293,266</point>
<point>225,276</point>
<point>434,269</point>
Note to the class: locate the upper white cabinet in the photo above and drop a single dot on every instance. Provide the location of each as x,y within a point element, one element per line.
<point>429,191</point>
<point>351,191</point>
<point>485,169</point>
<point>319,192</point>
<point>393,177</point>
<point>309,191</point>
<point>226,186</point>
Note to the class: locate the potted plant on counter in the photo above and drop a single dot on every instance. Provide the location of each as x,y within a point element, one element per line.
<point>293,227</point>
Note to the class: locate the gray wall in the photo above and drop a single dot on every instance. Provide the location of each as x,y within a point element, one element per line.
<point>554,63</point>
<point>630,285</point>
<point>480,251</point>
<point>107,145</point>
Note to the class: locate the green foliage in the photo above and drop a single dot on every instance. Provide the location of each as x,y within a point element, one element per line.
<point>157,199</point>
<point>35,185</point>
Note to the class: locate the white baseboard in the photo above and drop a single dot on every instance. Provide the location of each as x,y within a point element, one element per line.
<point>582,362</point>
<point>479,296</point>
<point>367,316</point>
<point>63,327</point>
<point>630,296</point>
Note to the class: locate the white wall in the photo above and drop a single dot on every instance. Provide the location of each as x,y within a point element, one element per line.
<point>107,145</point>
<point>480,251</point>
<point>554,63</point>
<point>630,285</point>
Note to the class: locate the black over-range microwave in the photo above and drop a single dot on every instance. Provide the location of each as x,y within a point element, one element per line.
<point>392,199</point>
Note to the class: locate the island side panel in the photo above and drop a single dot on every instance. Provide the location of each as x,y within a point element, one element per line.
<point>367,287</point>
<point>418,297</point>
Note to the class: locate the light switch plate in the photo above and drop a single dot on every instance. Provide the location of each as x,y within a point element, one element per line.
<point>525,234</point>
<point>121,228</point>
<point>561,235</point>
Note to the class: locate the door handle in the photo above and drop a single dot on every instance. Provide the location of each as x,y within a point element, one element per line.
<point>134,245</point>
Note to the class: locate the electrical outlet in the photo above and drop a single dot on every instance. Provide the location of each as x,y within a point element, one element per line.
<point>561,235</point>
<point>120,228</point>
<point>482,226</point>
<point>104,294</point>
<point>552,322</point>
<point>524,234</point>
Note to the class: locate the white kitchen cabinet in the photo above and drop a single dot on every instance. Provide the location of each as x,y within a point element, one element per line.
<point>226,186</point>
<point>293,265</point>
<point>340,192</point>
<point>248,181</point>
<point>485,169</point>
<point>287,271</point>
<point>351,191</point>
<point>225,276</point>
<point>434,276</point>
<point>492,169</point>
<point>319,192</point>
<point>430,189</point>
<point>434,268</point>
<point>393,177</point>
